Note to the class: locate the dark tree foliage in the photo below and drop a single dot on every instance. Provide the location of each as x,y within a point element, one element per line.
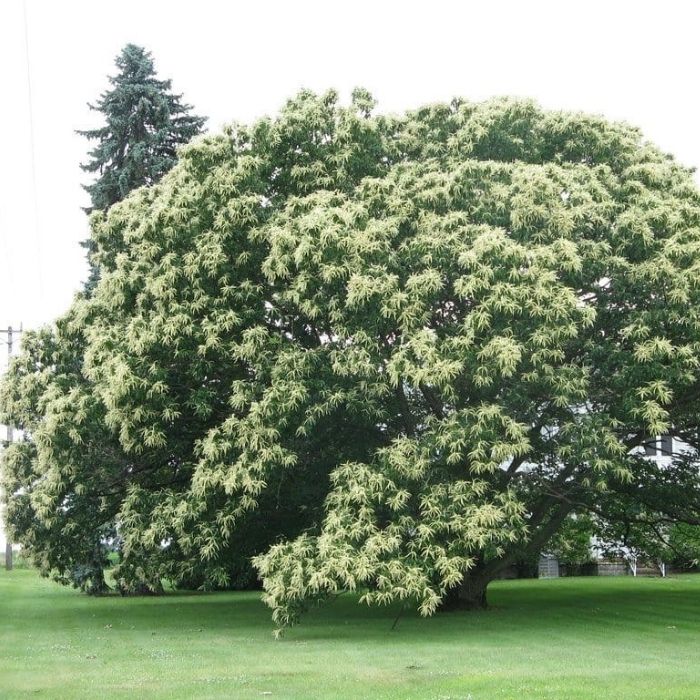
<point>654,516</point>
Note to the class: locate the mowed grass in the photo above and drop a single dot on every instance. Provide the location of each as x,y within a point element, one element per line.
<point>563,639</point>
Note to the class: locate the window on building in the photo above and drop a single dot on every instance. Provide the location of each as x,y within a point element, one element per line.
<point>661,445</point>
<point>650,447</point>
<point>666,446</point>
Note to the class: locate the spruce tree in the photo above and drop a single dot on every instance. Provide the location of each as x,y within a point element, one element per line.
<point>145,123</point>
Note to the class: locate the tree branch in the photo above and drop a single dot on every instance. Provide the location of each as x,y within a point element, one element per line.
<point>433,401</point>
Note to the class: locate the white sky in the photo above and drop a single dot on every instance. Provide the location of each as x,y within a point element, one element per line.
<point>237,60</point>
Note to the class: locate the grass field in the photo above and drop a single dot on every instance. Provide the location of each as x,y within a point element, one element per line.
<point>563,639</point>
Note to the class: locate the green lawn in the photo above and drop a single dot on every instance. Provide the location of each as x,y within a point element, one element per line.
<point>563,639</point>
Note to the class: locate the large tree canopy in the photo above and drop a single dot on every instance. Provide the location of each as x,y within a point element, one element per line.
<point>422,340</point>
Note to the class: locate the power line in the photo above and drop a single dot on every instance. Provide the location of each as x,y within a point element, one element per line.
<point>8,254</point>
<point>37,233</point>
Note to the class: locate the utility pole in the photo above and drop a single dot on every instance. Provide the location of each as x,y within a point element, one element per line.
<point>8,545</point>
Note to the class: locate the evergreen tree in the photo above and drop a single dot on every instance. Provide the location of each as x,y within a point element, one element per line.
<point>145,123</point>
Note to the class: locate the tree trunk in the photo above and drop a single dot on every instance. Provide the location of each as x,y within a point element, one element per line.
<point>98,584</point>
<point>472,592</point>
<point>469,595</point>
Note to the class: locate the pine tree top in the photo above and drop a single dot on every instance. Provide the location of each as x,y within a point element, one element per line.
<point>145,122</point>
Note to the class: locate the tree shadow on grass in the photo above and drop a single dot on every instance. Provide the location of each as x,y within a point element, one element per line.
<point>541,606</point>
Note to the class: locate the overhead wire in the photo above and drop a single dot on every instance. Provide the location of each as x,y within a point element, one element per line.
<point>8,262</point>
<point>37,231</point>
